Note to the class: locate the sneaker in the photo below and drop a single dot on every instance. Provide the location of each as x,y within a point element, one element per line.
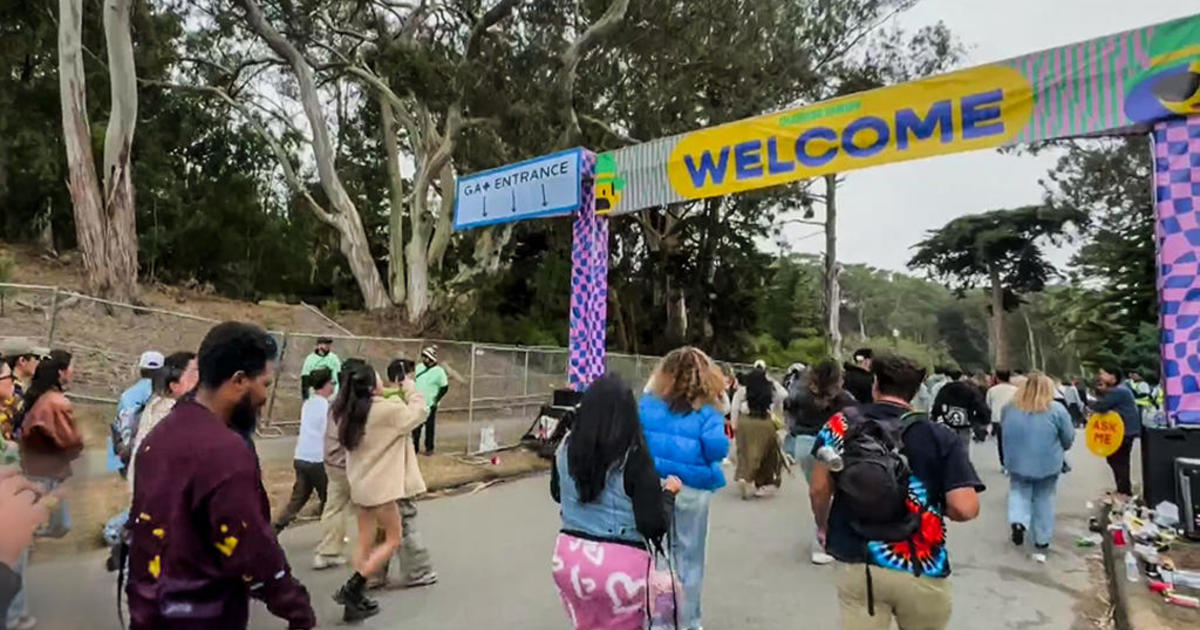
<point>24,622</point>
<point>424,579</point>
<point>322,562</point>
<point>820,558</point>
<point>1018,534</point>
<point>747,489</point>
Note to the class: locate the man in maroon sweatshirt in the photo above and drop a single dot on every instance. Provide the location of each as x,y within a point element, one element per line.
<point>201,541</point>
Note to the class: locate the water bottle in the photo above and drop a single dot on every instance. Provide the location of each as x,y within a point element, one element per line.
<point>1131,567</point>
<point>830,457</point>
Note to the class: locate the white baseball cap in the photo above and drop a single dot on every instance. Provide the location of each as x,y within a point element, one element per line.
<point>151,360</point>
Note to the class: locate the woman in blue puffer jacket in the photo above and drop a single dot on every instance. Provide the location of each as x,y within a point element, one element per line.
<point>682,416</point>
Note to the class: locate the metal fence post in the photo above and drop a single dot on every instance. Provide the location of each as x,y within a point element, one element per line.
<point>525,391</point>
<point>53,319</point>
<point>471,401</point>
<point>283,347</point>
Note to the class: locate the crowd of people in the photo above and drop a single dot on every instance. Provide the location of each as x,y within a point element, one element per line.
<point>885,452</point>
<point>198,540</point>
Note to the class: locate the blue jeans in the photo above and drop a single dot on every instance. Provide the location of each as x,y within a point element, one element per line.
<point>801,446</point>
<point>1032,503</point>
<point>689,547</point>
<point>59,524</point>
<point>18,607</point>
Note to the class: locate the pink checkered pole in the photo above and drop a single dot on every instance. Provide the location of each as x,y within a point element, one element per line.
<point>1177,206</point>
<point>589,285</point>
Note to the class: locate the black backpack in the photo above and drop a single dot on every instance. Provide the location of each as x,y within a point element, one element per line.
<point>872,486</point>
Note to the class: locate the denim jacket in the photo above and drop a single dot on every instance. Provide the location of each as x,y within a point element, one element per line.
<point>609,517</point>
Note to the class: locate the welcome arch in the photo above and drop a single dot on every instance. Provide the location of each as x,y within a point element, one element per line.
<point>1146,80</point>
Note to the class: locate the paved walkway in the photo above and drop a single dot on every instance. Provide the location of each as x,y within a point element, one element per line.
<point>492,550</point>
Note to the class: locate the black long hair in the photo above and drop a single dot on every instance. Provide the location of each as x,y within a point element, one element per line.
<point>606,430</point>
<point>47,376</point>
<point>759,393</point>
<point>353,402</point>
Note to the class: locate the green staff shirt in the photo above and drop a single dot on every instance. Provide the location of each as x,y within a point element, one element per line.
<point>315,362</point>
<point>430,381</point>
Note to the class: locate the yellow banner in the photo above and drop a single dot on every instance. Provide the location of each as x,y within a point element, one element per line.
<point>972,109</point>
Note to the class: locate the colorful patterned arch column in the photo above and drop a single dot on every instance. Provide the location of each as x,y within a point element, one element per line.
<point>589,285</point>
<point>1177,203</point>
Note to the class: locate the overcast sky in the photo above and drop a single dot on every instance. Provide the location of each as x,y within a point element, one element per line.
<point>885,210</point>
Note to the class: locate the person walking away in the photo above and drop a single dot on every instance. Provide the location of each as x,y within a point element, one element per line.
<point>308,459</point>
<point>50,439</point>
<point>381,466</point>
<point>1115,397</point>
<point>808,410</point>
<point>998,396</point>
<point>1037,434</point>
<point>1074,404</point>
<point>858,379</point>
<point>321,357</point>
<point>759,460</point>
<point>684,431</point>
<point>416,566</point>
<point>330,551</point>
<point>17,615</point>
<point>177,377</point>
<point>433,385</point>
<point>200,537</point>
<point>941,376</point>
<point>130,406</point>
<point>959,406</point>
<point>612,509</point>
<point>884,520</point>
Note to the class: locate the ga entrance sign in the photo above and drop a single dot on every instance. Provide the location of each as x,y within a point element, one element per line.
<point>539,187</point>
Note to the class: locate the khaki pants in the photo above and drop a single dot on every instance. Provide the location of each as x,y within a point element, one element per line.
<point>337,510</point>
<point>916,603</point>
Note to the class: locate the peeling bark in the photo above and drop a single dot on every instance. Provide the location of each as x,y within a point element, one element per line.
<point>106,275</point>
<point>396,273</point>
<point>344,216</point>
<point>999,335</point>
<point>570,59</point>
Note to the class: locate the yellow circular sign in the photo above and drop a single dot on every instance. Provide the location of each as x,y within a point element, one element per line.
<point>1105,431</point>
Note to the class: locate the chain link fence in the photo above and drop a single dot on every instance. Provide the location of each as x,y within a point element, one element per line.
<point>495,390</point>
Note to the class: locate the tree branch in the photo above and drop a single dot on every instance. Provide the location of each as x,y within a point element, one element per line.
<point>281,155</point>
<point>570,58</point>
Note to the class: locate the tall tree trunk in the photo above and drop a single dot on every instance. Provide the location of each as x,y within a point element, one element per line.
<point>833,291</point>
<point>121,223</point>
<point>1033,355</point>
<point>82,182</point>
<point>999,335</point>
<point>344,217</point>
<point>677,316</point>
<point>396,263</point>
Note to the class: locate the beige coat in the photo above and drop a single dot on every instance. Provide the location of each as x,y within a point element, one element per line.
<point>156,409</point>
<point>383,468</point>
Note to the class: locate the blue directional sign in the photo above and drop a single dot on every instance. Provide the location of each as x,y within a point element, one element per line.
<point>539,187</point>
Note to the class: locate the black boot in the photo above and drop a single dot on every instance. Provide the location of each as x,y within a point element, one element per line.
<point>1018,534</point>
<point>357,605</point>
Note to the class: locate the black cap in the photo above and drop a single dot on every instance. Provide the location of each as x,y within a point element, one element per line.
<point>324,340</point>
